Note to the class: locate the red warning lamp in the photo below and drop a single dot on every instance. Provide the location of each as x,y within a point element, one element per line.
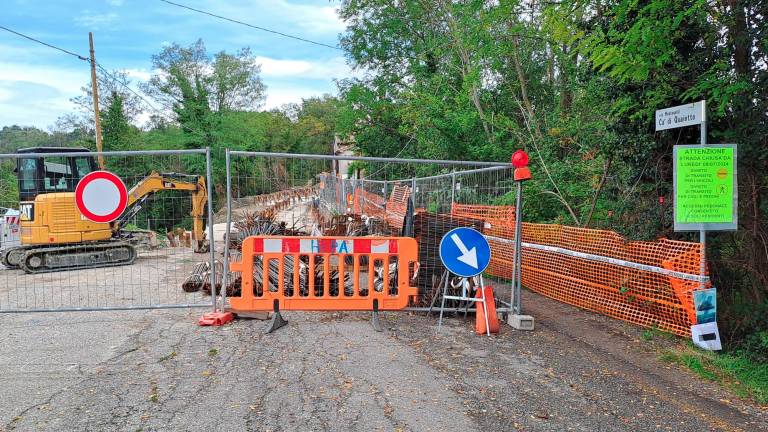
<point>520,159</point>
<point>520,162</point>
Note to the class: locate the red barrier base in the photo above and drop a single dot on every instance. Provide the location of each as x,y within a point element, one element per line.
<point>493,320</point>
<point>215,318</point>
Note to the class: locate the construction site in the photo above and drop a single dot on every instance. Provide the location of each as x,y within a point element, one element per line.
<point>313,215</point>
<point>349,315</point>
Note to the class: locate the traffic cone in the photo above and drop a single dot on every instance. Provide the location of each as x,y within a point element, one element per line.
<point>493,320</point>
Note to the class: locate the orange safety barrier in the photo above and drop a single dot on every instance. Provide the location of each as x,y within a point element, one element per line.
<point>326,273</point>
<point>554,265</point>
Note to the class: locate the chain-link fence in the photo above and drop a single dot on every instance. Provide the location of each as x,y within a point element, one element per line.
<point>346,196</point>
<point>55,259</point>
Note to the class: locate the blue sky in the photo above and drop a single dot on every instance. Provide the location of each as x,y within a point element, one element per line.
<point>37,82</point>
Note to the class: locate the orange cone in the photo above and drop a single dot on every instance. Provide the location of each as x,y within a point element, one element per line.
<point>493,321</point>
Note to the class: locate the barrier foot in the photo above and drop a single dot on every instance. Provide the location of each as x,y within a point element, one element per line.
<point>375,317</point>
<point>215,319</point>
<point>277,319</point>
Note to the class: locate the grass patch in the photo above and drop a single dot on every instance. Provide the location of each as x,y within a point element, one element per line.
<point>213,352</point>
<point>745,376</point>
<point>167,357</point>
<point>656,333</point>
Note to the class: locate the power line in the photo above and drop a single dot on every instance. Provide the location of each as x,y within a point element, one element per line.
<point>86,59</point>
<point>253,26</point>
<point>124,84</point>
<point>45,43</point>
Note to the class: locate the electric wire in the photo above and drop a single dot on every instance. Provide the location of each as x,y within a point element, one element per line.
<point>279,33</point>
<point>45,43</point>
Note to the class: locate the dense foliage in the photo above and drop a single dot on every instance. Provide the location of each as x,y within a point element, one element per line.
<point>576,83</point>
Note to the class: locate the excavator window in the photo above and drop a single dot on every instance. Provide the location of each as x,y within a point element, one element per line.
<point>51,174</point>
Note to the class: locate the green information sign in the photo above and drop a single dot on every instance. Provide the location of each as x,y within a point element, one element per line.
<point>705,187</point>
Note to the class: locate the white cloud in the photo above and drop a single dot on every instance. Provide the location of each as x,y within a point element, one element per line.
<point>281,94</point>
<point>115,2</point>
<point>312,19</point>
<point>37,95</point>
<point>311,69</point>
<point>95,21</point>
<point>138,74</point>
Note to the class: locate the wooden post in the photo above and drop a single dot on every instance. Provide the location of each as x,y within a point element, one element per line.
<point>95,87</point>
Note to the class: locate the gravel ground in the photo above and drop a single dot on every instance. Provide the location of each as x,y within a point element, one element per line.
<point>156,370</point>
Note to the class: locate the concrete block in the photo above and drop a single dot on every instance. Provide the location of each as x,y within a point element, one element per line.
<point>520,322</point>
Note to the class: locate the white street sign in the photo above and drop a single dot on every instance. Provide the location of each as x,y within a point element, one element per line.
<point>679,116</point>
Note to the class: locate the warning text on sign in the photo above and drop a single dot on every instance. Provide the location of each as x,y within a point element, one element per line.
<point>704,185</point>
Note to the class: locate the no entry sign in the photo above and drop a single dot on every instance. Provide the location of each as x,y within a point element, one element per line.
<point>101,196</point>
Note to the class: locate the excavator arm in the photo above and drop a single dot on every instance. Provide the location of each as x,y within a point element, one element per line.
<point>156,182</point>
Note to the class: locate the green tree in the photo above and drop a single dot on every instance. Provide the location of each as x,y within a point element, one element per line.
<point>200,88</point>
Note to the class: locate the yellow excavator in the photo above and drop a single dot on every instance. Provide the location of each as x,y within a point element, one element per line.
<point>55,236</point>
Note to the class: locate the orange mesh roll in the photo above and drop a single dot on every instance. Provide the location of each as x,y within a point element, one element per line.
<point>369,203</point>
<point>397,206</point>
<point>601,271</point>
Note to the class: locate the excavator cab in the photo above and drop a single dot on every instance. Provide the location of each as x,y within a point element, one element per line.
<point>47,185</point>
<point>42,175</point>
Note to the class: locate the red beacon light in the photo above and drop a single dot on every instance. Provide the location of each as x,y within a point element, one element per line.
<point>520,162</point>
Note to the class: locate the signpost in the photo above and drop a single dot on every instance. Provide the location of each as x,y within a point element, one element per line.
<point>466,253</point>
<point>683,115</point>
<point>101,196</point>
<point>705,187</point>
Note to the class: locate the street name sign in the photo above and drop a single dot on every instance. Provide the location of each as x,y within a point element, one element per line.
<point>682,115</point>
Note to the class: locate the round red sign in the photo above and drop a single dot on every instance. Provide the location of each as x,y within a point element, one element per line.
<point>101,196</point>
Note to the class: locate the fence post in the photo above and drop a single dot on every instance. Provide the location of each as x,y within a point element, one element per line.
<point>225,275</point>
<point>413,208</point>
<point>211,242</point>
<point>453,189</point>
<point>516,265</point>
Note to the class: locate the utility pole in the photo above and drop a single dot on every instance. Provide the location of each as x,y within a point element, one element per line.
<point>95,88</point>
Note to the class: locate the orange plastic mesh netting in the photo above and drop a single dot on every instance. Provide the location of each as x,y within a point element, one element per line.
<point>600,271</point>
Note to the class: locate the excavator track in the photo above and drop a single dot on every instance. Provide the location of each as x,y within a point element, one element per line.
<point>11,258</point>
<point>76,257</point>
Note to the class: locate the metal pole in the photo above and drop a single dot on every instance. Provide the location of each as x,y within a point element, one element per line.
<point>453,190</point>
<point>95,94</point>
<point>211,242</point>
<point>225,275</point>
<point>411,217</point>
<point>517,266</point>
<point>702,231</point>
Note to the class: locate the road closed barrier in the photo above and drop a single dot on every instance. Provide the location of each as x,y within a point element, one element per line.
<point>326,273</point>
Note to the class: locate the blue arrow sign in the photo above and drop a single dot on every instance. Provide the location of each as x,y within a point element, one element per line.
<point>465,252</point>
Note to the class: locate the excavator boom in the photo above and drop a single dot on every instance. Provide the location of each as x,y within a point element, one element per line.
<point>156,182</point>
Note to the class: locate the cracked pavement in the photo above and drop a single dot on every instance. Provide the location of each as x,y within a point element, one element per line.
<point>158,371</point>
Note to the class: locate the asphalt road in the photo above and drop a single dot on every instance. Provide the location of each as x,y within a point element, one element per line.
<point>158,371</point>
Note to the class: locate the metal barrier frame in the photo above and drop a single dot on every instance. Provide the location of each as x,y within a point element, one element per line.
<point>209,184</point>
<point>482,166</point>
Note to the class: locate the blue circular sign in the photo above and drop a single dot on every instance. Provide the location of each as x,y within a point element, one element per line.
<point>465,252</point>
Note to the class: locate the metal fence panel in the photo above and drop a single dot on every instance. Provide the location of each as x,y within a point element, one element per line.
<point>290,194</point>
<point>158,226</point>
